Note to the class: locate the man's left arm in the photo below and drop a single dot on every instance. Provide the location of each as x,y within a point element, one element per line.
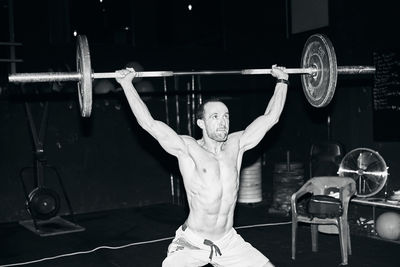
<point>255,132</point>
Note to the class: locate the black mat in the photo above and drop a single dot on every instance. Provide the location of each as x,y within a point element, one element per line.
<point>123,227</point>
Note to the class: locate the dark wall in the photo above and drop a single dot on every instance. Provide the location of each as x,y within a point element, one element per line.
<point>105,162</point>
<point>108,162</point>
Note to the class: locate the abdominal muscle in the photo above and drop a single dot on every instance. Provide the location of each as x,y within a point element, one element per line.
<point>211,190</point>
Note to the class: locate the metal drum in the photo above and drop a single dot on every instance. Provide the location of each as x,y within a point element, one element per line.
<point>287,179</point>
<point>250,190</point>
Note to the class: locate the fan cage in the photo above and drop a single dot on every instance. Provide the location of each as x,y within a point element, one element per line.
<point>367,168</point>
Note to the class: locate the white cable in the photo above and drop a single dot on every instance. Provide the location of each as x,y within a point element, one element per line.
<point>86,252</point>
<point>260,225</point>
<point>125,246</point>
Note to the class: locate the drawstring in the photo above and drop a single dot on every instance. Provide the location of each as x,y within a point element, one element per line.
<point>208,243</point>
<point>212,246</point>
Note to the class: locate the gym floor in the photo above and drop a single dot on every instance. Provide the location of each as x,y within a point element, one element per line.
<point>125,231</point>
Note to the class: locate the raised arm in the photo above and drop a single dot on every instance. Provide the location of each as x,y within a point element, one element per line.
<point>253,134</point>
<point>167,137</point>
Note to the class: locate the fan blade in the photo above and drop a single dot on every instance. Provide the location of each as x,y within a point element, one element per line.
<point>364,159</point>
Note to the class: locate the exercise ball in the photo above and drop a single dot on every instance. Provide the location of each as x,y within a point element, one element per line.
<point>388,225</point>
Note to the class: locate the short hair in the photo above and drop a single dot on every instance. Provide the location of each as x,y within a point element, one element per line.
<point>200,109</point>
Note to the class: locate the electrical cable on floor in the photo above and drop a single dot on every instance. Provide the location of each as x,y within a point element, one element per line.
<point>260,225</point>
<point>86,252</point>
<point>125,246</point>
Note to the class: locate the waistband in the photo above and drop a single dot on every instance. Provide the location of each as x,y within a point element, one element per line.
<point>204,243</point>
<point>198,240</point>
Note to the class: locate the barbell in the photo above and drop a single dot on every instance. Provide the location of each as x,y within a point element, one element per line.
<point>318,68</point>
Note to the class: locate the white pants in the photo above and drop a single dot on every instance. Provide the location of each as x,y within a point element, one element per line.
<point>189,249</point>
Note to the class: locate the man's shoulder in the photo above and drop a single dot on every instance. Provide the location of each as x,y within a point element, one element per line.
<point>188,139</point>
<point>235,135</point>
<point>233,140</point>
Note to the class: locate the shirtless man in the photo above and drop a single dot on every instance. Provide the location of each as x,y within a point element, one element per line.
<point>210,169</point>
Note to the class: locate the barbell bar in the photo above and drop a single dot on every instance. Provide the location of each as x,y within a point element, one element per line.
<point>75,76</point>
<point>319,72</point>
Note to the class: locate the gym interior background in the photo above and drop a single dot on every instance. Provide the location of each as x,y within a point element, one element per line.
<point>107,162</point>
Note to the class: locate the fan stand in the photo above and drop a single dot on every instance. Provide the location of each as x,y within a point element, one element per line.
<point>362,187</point>
<point>44,222</point>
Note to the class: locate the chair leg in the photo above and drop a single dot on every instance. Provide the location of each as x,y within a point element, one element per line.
<point>294,236</point>
<point>314,237</point>
<point>343,238</point>
<point>348,238</point>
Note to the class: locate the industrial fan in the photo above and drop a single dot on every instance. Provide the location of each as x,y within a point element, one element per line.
<point>367,168</point>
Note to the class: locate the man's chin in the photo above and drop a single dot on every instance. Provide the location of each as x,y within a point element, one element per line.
<point>221,138</point>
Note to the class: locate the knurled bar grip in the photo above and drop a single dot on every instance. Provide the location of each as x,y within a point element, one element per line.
<point>356,70</point>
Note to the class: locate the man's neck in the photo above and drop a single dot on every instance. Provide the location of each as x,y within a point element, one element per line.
<point>211,145</point>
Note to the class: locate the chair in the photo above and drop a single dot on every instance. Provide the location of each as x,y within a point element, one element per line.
<point>323,185</point>
<point>325,159</point>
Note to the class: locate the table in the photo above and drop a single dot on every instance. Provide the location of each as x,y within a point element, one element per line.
<point>377,202</point>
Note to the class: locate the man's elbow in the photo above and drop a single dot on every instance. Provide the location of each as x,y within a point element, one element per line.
<point>147,125</point>
<point>273,118</point>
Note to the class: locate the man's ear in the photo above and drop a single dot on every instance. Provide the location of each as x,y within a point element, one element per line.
<point>200,123</point>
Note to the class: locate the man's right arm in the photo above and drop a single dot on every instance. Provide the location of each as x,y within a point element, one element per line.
<point>165,135</point>
<point>253,133</point>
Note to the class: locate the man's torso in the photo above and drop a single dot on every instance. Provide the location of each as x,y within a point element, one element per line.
<point>211,183</point>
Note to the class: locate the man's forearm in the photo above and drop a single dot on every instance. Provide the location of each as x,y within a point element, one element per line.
<point>277,102</point>
<point>138,107</point>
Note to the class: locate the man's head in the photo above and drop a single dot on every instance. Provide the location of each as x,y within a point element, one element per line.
<point>213,118</point>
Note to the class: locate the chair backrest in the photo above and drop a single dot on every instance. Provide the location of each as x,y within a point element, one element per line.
<point>323,184</point>
<point>325,158</point>
<point>326,148</point>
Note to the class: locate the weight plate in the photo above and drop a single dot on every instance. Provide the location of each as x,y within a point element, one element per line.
<point>84,67</point>
<point>43,203</point>
<point>318,53</point>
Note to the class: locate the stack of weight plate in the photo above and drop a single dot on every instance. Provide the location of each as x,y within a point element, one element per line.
<point>287,179</point>
<point>250,190</point>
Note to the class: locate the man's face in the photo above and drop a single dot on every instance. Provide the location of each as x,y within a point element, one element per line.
<point>216,121</point>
